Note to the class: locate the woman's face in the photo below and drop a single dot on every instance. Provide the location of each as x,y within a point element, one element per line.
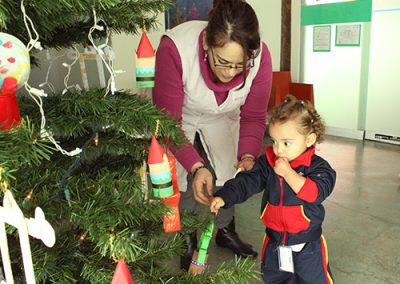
<point>227,61</point>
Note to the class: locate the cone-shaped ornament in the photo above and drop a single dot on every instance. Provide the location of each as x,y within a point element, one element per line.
<point>122,274</point>
<point>145,63</point>
<point>160,173</point>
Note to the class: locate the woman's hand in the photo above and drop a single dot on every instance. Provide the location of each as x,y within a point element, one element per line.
<point>202,180</point>
<point>246,162</point>
<point>216,203</point>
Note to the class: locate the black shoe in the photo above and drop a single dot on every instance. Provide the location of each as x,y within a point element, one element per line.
<point>228,238</point>
<point>191,246</point>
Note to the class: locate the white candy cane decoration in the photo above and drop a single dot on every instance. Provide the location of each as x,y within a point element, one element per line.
<point>37,227</point>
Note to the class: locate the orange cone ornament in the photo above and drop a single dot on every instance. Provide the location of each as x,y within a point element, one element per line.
<point>172,220</point>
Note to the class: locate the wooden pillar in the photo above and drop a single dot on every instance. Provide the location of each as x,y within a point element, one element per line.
<point>285,35</point>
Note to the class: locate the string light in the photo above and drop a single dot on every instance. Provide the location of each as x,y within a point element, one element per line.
<point>107,51</point>
<point>29,196</point>
<point>96,139</point>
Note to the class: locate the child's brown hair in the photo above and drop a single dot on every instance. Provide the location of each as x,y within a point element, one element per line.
<point>303,112</point>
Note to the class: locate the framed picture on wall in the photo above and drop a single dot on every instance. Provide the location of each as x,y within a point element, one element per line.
<point>348,35</point>
<point>186,10</point>
<point>322,38</point>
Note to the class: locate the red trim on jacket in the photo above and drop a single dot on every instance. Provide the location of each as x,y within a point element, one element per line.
<point>302,160</point>
<point>283,218</point>
<point>309,191</point>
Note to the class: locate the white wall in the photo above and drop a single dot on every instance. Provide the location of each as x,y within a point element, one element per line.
<point>269,16</point>
<point>383,103</point>
<point>356,87</point>
<point>336,78</point>
<point>125,46</point>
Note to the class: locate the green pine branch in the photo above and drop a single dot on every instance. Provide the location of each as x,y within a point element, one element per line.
<point>63,23</point>
<point>95,201</point>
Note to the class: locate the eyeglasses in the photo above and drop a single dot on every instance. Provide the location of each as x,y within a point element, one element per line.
<point>226,66</point>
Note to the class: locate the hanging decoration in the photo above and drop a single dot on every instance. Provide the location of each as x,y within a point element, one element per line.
<point>145,63</point>
<point>172,220</point>
<point>122,274</point>
<point>160,173</point>
<point>199,260</point>
<point>162,168</point>
<point>14,72</point>
<point>38,227</point>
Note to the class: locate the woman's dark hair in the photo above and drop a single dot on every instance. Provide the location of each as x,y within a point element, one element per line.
<point>234,20</point>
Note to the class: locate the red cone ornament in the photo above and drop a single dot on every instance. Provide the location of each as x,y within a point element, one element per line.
<point>9,111</point>
<point>122,274</point>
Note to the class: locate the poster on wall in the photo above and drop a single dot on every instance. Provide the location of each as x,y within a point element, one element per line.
<point>186,10</point>
<point>322,38</point>
<point>348,35</point>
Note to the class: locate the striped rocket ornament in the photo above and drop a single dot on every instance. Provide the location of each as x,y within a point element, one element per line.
<point>160,173</point>
<point>145,63</point>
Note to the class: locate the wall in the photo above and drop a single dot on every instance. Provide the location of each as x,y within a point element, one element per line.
<point>268,13</point>
<point>269,18</point>
<point>337,74</point>
<point>383,104</point>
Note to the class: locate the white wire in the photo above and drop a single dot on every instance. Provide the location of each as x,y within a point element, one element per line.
<point>33,42</point>
<point>36,96</point>
<point>100,52</point>
<point>69,66</point>
<point>47,82</point>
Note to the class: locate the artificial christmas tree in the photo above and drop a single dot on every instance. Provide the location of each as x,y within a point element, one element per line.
<point>94,198</point>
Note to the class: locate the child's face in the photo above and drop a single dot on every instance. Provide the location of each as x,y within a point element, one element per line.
<point>287,141</point>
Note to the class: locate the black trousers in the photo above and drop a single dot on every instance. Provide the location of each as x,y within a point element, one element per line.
<point>188,203</point>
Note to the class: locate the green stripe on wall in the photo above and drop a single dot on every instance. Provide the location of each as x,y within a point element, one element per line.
<point>344,12</point>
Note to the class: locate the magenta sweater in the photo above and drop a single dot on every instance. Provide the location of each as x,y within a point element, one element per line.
<point>168,94</point>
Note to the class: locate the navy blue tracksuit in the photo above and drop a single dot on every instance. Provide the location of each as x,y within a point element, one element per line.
<point>289,218</point>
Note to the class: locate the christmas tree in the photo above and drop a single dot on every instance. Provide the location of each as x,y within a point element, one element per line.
<point>94,196</point>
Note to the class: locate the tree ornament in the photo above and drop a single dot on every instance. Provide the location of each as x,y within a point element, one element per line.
<point>122,274</point>
<point>14,59</point>
<point>160,173</point>
<point>9,115</point>
<point>38,227</point>
<point>199,260</point>
<point>14,72</point>
<point>172,220</point>
<point>145,63</point>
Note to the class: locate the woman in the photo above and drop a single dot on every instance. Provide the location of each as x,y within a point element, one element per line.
<point>215,78</point>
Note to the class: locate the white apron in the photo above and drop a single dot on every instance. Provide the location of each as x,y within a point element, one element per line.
<point>217,125</point>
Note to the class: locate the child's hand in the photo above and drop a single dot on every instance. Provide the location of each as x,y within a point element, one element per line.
<point>282,167</point>
<point>216,203</point>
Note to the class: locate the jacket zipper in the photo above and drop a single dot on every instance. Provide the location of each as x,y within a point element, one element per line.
<point>281,210</point>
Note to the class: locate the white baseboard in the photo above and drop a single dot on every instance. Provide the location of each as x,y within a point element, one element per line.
<point>382,137</point>
<point>344,132</point>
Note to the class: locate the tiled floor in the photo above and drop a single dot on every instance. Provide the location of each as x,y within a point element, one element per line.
<point>362,225</point>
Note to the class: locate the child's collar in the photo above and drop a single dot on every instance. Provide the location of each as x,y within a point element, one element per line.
<point>302,160</point>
